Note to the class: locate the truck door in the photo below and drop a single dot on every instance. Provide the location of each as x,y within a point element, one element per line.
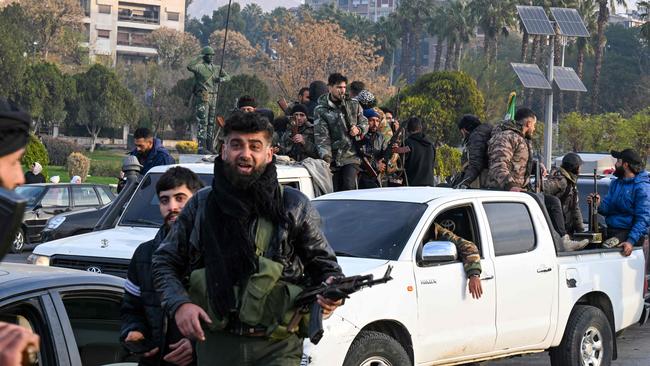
<point>525,275</point>
<point>452,324</point>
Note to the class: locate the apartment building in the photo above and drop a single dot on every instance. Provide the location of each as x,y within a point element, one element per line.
<point>371,9</point>
<point>119,29</point>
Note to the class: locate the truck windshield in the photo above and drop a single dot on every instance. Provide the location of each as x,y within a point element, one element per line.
<point>143,208</point>
<point>31,193</point>
<point>368,229</point>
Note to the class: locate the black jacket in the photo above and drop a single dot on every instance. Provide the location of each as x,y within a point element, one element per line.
<point>141,308</point>
<point>34,178</point>
<point>311,260</point>
<point>419,161</point>
<point>475,158</point>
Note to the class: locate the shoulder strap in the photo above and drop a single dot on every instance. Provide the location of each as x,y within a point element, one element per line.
<point>264,231</point>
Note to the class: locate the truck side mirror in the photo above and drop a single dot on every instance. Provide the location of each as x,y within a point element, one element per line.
<point>438,252</point>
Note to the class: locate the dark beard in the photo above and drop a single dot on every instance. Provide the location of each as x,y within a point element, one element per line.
<point>239,180</point>
<point>619,172</point>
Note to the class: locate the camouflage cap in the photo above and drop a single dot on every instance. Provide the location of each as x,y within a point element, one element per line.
<point>207,50</point>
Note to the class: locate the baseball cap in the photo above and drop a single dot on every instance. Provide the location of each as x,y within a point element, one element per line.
<point>628,155</point>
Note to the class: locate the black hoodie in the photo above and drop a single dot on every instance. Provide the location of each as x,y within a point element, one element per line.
<point>419,162</point>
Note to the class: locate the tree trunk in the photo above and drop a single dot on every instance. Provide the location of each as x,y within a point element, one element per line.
<point>406,56</point>
<point>94,133</point>
<point>458,55</point>
<point>418,55</point>
<point>580,71</point>
<point>557,45</point>
<point>439,48</point>
<point>459,46</point>
<point>603,16</point>
<point>451,46</point>
<point>524,46</point>
<point>486,47</point>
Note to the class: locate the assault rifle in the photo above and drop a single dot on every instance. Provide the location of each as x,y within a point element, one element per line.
<point>339,289</point>
<point>593,234</point>
<point>356,141</point>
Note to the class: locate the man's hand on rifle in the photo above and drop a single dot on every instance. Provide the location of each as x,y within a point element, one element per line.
<point>593,196</point>
<point>355,131</point>
<point>298,139</point>
<point>328,305</point>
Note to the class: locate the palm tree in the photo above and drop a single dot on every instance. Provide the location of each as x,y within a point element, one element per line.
<point>413,17</point>
<point>603,17</point>
<point>586,8</point>
<point>494,17</point>
<point>525,38</point>
<point>438,28</point>
<point>644,9</point>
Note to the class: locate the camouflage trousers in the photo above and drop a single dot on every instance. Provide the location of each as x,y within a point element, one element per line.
<point>204,116</point>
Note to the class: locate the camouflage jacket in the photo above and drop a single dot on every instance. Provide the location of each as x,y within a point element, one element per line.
<point>206,75</point>
<point>373,146</point>
<point>331,130</point>
<point>299,152</point>
<point>468,251</point>
<point>563,185</point>
<point>510,157</point>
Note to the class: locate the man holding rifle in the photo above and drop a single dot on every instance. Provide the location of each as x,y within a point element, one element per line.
<point>627,205</point>
<point>339,125</point>
<point>15,341</point>
<point>248,248</point>
<point>298,140</point>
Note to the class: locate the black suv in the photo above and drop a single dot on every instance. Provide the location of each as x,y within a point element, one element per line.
<point>47,200</point>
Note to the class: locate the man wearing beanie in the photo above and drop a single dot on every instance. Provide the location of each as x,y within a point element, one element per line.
<point>298,140</point>
<point>14,134</point>
<point>373,147</point>
<point>626,206</point>
<point>247,104</point>
<point>474,158</point>
<point>563,185</point>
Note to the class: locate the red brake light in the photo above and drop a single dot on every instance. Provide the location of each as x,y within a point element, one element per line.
<point>608,171</point>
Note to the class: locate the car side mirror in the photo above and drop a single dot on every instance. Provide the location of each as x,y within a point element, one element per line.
<point>438,252</point>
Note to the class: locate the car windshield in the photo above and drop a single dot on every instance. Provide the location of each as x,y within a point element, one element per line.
<point>368,229</point>
<point>143,208</point>
<point>31,193</point>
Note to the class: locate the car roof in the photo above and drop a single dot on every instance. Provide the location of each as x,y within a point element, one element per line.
<point>285,170</point>
<point>410,194</point>
<point>22,278</point>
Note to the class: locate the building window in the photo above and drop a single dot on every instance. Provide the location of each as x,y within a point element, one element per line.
<point>85,5</point>
<point>173,16</point>
<point>139,13</point>
<point>104,9</point>
<point>102,33</point>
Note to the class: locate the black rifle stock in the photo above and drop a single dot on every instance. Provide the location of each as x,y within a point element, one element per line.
<point>340,288</point>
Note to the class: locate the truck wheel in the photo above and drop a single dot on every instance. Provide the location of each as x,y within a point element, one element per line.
<point>19,242</point>
<point>587,340</point>
<point>372,348</point>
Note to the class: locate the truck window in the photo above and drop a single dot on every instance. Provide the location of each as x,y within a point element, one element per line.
<point>29,315</point>
<point>459,220</point>
<point>368,229</point>
<point>511,226</point>
<point>143,207</point>
<point>95,322</point>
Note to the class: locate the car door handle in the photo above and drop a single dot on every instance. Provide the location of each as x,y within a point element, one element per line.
<point>487,278</point>
<point>544,269</point>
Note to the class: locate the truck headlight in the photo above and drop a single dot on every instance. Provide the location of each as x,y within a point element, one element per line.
<point>39,260</point>
<point>55,222</point>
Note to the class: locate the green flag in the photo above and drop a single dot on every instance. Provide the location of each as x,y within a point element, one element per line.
<point>512,103</point>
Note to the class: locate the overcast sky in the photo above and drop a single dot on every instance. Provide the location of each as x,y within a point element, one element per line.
<point>199,8</point>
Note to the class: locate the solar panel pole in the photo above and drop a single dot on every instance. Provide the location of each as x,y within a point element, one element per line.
<point>548,115</point>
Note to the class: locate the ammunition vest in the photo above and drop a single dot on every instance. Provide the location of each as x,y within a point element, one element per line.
<point>264,300</point>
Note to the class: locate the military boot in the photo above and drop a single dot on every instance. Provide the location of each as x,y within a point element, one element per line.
<point>573,245</point>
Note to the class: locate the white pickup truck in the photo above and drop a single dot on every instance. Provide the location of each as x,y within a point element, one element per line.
<point>534,297</point>
<point>110,251</point>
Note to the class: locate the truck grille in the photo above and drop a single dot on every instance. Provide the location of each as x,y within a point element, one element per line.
<point>115,267</point>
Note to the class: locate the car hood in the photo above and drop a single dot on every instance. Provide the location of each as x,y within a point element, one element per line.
<point>353,266</point>
<point>119,242</point>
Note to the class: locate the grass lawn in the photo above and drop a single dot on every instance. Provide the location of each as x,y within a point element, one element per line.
<point>107,155</point>
<point>65,177</point>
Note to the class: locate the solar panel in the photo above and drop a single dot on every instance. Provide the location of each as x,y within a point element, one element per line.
<point>570,22</point>
<point>531,76</point>
<point>566,79</point>
<point>535,20</point>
